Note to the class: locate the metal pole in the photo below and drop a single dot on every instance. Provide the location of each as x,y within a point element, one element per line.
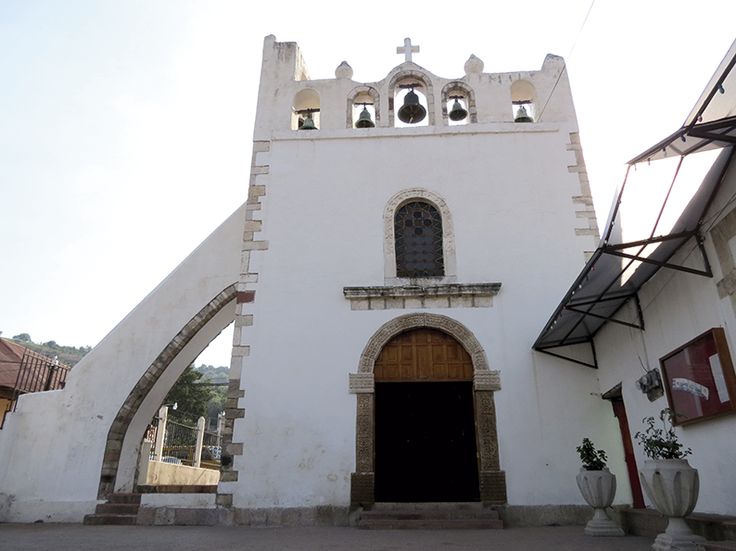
<point>200,441</point>
<point>163,414</point>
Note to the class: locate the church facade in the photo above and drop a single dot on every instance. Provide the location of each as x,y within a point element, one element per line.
<point>397,272</point>
<point>402,243</point>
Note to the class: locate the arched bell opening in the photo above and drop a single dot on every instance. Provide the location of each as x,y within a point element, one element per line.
<point>119,471</point>
<point>410,101</point>
<point>363,109</point>
<point>458,104</point>
<point>305,113</point>
<point>523,101</point>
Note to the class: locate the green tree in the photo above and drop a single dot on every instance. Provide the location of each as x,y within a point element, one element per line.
<point>23,337</point>
<point>190,396</point>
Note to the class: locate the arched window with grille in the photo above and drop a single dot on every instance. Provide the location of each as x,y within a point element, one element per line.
<point>418,240</point>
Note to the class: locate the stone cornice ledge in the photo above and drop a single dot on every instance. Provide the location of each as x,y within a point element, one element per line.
<point>445,295</point>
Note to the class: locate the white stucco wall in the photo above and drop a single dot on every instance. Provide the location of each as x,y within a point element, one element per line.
<point>51,448</point>
<point>678,307</point>
<point>511,196</point>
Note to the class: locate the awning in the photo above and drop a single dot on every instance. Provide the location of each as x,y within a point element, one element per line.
<point>619,267</point>
<point>711,123</point>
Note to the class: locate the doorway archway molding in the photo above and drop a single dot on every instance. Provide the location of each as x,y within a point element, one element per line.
<point>485,383</point>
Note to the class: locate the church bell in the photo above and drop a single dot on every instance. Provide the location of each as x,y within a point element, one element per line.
<point>457,113</point>
<point>308,122</point>
<point>522,115</point>
<point>412,111</point>
<point>364,120</point>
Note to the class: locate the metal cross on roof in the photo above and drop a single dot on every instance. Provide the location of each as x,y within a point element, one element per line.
<point>407,49</point>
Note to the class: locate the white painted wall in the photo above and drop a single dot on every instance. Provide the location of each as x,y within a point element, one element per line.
<point>51,448</point>
<point>678,307</point>
<point>510,192</point>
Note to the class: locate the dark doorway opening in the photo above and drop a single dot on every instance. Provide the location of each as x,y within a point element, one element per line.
<point>425,442</point>
<point>619,410</point>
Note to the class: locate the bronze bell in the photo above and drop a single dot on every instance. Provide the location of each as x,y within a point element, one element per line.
<point>457,113</point>
<point>308,123</point>
<point>522,115</point>
<point>364,120</point>
<point>412,111</point>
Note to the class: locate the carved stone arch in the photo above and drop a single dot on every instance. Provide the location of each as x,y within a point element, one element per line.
<point>211,319</point>
<point>459,86</point>
<point>426,82</point>
<point>485,383</point>
<point>412,321</point>
<point>389,238</point>
<point>362,91</point>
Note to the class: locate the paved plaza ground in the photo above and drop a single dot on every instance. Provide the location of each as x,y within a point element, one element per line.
<point>60,537</point>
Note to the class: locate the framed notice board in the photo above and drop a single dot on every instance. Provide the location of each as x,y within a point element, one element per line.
<point>699,378</point>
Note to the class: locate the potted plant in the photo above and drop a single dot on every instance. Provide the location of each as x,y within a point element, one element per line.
<point>598,487</point>
<point>669,481</point>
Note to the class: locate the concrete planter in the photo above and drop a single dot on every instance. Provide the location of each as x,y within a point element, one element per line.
<point>598,489</point>
<point>672,485</point>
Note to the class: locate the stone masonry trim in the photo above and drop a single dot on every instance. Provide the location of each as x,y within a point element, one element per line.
<point>243,320</point>
<point>362,384</point>
<point>444,295</point>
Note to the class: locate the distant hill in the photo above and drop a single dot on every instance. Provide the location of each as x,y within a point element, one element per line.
<point>212,374</point>
<point>68,355</point>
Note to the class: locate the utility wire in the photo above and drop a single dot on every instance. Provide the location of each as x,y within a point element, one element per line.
<point>569,55</point>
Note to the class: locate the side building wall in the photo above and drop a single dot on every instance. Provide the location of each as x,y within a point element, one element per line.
<point>677,307</point>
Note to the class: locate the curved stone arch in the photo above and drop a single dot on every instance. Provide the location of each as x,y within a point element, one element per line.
<point>424,79</point>
<point>389,237</point>
<point>492,479</point>
<point>413,321</point>
<point>358,91</point>
<point>118,432</point>
<point>459,85</point>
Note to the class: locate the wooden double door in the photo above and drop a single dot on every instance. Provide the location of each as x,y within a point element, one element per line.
<point>425,435</point>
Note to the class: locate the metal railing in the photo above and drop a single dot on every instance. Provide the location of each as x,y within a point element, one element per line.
<point>183,444</point>
<point>36,373</point>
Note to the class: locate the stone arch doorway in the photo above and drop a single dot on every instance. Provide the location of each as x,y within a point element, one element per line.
<point>480,381</point>
<point>424,420</point>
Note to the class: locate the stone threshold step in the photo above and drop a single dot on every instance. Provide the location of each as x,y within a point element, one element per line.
<point>425,505</point>
<point>720,546</point>
<point>124,497</point>
<point>445,524</point>
<point>109,519</point>
<point>117,509</point>
<point>178,489</point>
<point>488,514</point>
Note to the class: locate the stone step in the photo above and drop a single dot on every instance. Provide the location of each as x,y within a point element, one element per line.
<point>109,519</point>
<point>178,489</point>
<point>429,514</point>
<point>720,546</point>
<point>117,509</point>
<point>430,524</point>
<point>124,497</point>
<point>423,506</point>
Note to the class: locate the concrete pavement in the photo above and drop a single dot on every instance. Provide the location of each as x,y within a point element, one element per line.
<point>61,537</point>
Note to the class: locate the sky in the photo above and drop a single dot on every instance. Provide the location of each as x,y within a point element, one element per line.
<point>126,126</point>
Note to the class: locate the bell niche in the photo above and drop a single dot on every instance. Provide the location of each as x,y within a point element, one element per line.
<point>305,110</point>
<point>410,103</point>
<point>523,100</point>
